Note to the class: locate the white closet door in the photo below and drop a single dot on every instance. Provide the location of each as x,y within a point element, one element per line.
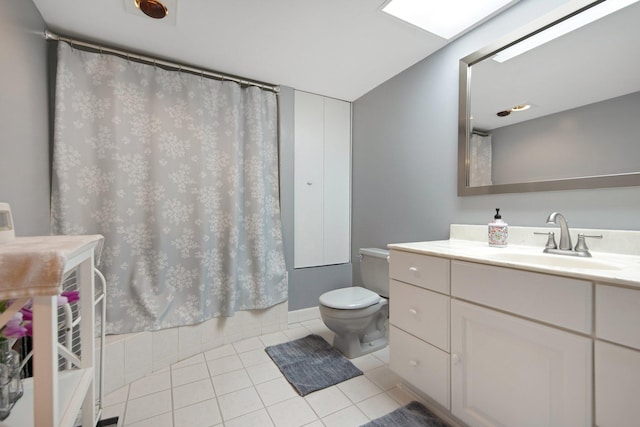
<point>322,187</point>
<point>309,180</point>
<point>337,182</point>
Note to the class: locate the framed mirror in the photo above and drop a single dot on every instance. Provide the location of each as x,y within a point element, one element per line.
<point>555,115</point>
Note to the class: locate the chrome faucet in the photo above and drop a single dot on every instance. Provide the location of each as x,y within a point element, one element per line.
<point>565,236</point>
<point>565,247</point>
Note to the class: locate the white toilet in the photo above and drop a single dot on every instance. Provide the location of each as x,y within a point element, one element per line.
<point>359,315</point>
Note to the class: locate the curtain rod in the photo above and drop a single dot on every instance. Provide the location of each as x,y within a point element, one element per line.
<point>481,132</point>
<point>154,61</point>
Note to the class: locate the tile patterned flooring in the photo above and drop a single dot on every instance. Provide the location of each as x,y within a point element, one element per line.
<point>238,385</point>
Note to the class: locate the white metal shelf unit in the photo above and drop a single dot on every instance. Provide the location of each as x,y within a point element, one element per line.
<point>53,398</point>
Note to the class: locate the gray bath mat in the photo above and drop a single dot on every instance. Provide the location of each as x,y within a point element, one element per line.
<point>311,364</point>
<point>414,414</point>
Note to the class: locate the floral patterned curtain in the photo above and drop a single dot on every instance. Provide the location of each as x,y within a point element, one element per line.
<point>180,174</point>
<point>479,160</point>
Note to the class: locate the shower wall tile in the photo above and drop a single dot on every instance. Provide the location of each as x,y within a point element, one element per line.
<point>212,334</point>
<point>114,366</point>
<point>165,348</point>
<point>137,357</point>
<point>189,340</point>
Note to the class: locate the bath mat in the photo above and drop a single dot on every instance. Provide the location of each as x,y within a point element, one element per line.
<point>311,364</point>
<point>414,414</point>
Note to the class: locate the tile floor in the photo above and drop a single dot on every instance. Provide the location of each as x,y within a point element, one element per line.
<point>238,385</point>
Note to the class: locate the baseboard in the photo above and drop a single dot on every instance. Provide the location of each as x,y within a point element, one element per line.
<point>304,314</point>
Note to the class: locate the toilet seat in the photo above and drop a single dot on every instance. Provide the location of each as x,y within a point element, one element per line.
<point>351,298</point>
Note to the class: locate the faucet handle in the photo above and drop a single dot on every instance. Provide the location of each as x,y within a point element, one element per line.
<point>551,241</point>
<point>581,246</point>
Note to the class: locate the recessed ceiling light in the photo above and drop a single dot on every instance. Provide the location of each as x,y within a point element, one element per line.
<point>445,18</point>
<point>152,8</point>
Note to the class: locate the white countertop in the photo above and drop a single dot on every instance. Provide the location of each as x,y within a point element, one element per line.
<point>468,243</point>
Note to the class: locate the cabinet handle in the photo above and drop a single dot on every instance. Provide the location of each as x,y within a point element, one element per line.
<point>309,183</point>
<point>413,269</point>
<point>413,311</point>
<point>455,359</point>
<point>413,363</point>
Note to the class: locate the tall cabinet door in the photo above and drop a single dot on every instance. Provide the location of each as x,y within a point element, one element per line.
<point>507,371</point>
<point>322,180</point>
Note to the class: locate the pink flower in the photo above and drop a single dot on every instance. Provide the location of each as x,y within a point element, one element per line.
<point>71,296</point>
<point>14,327</point>
<point>27,313</point>
<point>29,327</point>
<point>20,324</point>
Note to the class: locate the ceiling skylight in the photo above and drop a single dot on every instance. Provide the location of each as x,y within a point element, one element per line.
<point>583,18</point>
<point>445,18</point>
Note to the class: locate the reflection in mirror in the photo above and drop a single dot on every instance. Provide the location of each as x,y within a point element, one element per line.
<point>562,115</point>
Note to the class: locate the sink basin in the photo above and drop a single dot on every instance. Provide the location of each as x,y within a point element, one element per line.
<point>558,261</point>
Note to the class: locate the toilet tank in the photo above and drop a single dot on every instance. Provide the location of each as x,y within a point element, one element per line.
<point>374,268</point>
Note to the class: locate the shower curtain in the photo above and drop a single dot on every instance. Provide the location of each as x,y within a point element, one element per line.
<point>479,160</point>
<point>180,174</point>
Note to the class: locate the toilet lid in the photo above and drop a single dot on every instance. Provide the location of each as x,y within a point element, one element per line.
<point>349,298</point>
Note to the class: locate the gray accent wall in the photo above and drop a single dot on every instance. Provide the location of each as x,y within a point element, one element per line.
<point>596,139</point>
<point>24,129</point>
<point>405,157</point>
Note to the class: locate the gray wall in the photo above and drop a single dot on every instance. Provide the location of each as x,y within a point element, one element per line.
<point>405,157</point>
<point>596,139</point>
<point>24,130</point>
<point>305,284</point>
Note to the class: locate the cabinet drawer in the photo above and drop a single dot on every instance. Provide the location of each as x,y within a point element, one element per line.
<point>556,300</point>
<point>421,270</point>
<point>420,312</point>
<point>423,366</point>
<point>618,315</point>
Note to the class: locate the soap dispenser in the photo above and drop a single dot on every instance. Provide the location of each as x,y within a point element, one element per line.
<point>498,231</point>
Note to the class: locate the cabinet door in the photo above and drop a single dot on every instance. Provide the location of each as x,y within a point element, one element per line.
<point>322,184</point>
<point>309,180</point>
<point>617,385</point>
<point>506,371</point>
<point>337,181</point>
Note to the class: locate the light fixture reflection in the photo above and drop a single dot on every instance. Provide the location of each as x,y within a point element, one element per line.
<point>590,15</point>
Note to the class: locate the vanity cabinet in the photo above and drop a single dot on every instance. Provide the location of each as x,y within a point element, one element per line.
<point>508,370</point>
<point>495,346</point>
<point>419,306</point>
<point>617,356</point>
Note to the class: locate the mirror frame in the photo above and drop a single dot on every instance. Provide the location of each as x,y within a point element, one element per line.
<point>631,179</point>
